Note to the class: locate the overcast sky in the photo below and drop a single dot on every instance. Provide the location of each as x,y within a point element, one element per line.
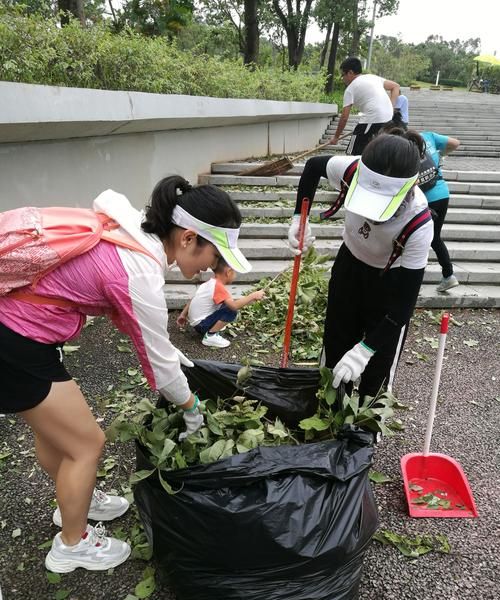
<point>452,19</point>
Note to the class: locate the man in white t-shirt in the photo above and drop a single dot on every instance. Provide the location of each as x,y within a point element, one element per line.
<point>368,93</point>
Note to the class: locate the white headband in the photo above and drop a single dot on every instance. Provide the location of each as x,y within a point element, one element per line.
<point>223,238</point>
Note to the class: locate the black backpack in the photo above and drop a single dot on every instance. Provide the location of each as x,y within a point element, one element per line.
<point>428,174</point>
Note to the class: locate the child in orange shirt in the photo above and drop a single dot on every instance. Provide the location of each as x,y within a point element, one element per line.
<point>213,307</point>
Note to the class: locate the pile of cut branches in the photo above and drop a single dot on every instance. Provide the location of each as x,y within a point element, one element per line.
<point>264,321</point>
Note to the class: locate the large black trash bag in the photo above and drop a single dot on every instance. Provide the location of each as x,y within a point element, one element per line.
<point>288,393</point>
<point>275,523</point>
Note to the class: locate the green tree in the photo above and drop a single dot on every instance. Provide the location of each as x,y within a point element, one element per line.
<point>157,17</point>
<point>393,59</point>
<point>294,22</point>
<point>453,59</point>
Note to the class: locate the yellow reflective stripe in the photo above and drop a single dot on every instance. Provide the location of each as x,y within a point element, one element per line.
<point>397,199</point>
<point>227,253</point>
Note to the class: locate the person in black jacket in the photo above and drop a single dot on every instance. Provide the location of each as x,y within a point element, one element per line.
<point>369,307</point>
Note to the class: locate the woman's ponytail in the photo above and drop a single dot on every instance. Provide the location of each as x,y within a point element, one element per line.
<point>207,203</point>
<point>162,203</point>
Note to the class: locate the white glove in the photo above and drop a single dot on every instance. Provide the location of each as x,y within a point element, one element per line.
<point>193,420</point>
<point>352,364</point>
<point>293,235</point>
<point>184,360</point>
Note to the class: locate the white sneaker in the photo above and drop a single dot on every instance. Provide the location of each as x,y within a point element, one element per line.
<point>215,340</point>
<point>102,508</point>
<point>94,552</point>
<point>447,283</point>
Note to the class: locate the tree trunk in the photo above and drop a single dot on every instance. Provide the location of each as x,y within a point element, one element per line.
<point>73,7</point>
<point>324,50</point>
<point>332,58</point>
<point>295,25</point>
<point>251,54</point>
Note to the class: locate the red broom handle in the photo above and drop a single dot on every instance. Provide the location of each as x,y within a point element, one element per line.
<point>293,285</point>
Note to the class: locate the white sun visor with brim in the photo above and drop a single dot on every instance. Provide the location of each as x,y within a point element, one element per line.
<point>374,196</point>
<point>223,238</point>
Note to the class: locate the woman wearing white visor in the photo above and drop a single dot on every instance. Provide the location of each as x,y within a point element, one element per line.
<point>188,226</point>
<point>370,298</point>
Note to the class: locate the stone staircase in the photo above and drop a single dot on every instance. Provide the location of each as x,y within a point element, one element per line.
<point>471,231</point>
<point>472,118</point>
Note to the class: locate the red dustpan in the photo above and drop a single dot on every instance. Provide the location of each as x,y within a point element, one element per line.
<point>435,484</point>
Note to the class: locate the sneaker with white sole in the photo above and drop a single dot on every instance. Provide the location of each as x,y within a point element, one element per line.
<point>102,508</point>
<point>215,340</point>
<point>94,552</point>
<point>447,283</point>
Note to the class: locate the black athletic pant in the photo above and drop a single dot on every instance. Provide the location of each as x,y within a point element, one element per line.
<point>314,170</point>
<point>359,299</point>
<point>360,137</point>
<point>440,208</point>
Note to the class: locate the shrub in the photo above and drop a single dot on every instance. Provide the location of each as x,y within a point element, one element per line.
<point>452,82</point>
<point>34,49</point>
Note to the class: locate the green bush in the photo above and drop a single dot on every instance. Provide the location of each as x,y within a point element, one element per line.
<point>34,49</point>
<point>452,82</point>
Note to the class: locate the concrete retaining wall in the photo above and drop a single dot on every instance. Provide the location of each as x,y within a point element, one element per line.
<point>66,145</point>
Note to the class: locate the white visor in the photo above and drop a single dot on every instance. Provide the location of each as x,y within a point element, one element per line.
<point>223,238</point>
<point>374,196</point>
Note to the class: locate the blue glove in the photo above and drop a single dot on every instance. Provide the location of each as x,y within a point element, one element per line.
<point>352,364</point>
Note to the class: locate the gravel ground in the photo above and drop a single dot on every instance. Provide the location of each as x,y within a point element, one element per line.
<point>466,428</point>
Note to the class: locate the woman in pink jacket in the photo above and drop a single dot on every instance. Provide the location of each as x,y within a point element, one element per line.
<point>190,227</point>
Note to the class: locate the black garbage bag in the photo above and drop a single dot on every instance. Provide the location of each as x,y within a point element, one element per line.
<point>275,523</point>
<point>289,394</point>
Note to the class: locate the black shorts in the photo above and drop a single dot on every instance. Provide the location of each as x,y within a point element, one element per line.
<point>27,370</point>
<point>361,137</point>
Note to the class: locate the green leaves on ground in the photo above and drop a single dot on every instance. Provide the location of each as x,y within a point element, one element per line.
<point>416,546</point>
<point>378,477</point>
<point>147,585</point>
<point>264,322</point>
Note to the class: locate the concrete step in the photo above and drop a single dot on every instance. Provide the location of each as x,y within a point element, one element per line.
<point>233,168</point>
<point>488,188</point>
<point>277,248</point>
<point>455,130</point>
<point>454,215</point>
<point>458,232</point>
<point>463,296</point>
<point>326,198</point>
<point>466,272</point>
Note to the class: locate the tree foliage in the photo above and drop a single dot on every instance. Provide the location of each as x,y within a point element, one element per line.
<point>453,59</point>
<point>157,17</point>
<point>34,49</point>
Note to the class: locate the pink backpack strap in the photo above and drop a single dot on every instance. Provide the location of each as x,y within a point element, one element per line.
<point>108,233</point>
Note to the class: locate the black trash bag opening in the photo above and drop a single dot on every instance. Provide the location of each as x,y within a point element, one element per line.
<point>275,523</point>
<point>289,394</point>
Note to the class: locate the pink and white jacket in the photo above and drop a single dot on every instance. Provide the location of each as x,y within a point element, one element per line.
<point>109,280</point>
